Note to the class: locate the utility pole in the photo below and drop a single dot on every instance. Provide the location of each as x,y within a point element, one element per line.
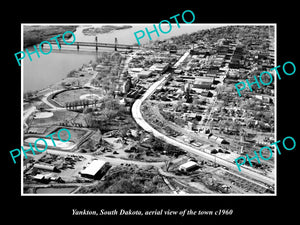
<point>96,40</point>
<point>116,43</point>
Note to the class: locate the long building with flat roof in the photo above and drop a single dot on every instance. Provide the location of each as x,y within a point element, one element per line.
<point>95,170</point>
<point>203,82</point>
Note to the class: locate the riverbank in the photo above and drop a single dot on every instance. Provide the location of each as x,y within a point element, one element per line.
<point>35,34</point>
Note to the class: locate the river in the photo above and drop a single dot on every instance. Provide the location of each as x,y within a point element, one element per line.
<point>48,69</point>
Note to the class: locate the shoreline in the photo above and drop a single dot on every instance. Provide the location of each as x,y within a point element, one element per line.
<point>56,86</point>
<point>93,31</point>
<point>34,34</point>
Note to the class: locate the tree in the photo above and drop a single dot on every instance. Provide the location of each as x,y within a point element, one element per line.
<point>88,110</point>
<point>125,185</point>
<point>95,102</point>
<point>158,145</point>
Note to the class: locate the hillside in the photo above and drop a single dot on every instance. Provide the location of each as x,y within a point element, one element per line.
<point>38,33</point>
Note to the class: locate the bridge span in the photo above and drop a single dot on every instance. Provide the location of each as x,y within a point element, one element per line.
<point>116,46</point>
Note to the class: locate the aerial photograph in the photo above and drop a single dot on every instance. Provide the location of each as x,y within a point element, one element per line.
<point>157,116</point>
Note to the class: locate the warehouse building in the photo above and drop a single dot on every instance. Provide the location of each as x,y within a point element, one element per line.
<point>145,74</point>
<point>159,67</point>
<point>188,166</point>
<point>95,170</point>
<point>203,82</point>
<point>47,167</point>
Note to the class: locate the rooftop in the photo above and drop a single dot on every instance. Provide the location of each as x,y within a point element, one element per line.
<point>94,167</point>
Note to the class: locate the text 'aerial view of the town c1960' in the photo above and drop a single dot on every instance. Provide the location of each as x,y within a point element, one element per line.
<point>160,118</point>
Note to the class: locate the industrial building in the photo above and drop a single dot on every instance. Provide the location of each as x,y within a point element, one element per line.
<point>95,170</point>
<point>188,166</point>
<point>145,74</point>
<point>203,82</point>
<point>47,167</point>
<point>159,67</point>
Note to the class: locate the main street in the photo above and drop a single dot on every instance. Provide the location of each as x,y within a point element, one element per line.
<point>137,115</point>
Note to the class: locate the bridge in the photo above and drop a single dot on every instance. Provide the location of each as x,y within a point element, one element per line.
<point>96,44</point>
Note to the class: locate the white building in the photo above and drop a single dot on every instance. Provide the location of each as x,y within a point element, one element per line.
<point>159,67</point>
<point>188,166</point>
<point>95,170</point>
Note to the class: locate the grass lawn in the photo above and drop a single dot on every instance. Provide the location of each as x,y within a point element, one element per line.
<point>58,116</point>
<point>72,95</point>
<point>76,134</point>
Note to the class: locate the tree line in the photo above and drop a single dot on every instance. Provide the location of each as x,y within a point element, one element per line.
<point>81,103</point>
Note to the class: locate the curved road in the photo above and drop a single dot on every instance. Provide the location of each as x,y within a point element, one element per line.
<point>136,113</point>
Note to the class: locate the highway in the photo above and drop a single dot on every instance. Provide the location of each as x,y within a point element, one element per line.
<point>137,115</point>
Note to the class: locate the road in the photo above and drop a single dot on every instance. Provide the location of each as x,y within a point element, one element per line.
<point>113,161</point>
<point>45,100</point>
<point>27,113</point>
<point>137,115</point>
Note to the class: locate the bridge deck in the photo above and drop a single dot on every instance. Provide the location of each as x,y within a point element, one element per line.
<point>98,44</point>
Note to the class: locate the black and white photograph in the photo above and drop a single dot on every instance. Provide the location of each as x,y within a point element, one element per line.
<point>173,115</point>
<point>138,112</point>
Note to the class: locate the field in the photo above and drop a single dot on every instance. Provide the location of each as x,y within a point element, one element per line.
<point>73,95</point>
<point>58,116</point>
<point>76,134</point>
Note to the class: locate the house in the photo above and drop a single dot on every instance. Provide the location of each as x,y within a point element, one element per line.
<point>221,141</point>
<point>40,177</point>
<point>127,85</point>
<point>102,68</point>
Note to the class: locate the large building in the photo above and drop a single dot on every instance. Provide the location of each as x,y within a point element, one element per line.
<point>159,67</point>
<point>45,167</point>
<point>95,170</point>
<point>188,166</point>
<point>145,74</point>
<point>203,82</point>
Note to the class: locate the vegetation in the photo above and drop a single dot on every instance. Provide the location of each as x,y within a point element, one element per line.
<point>74,105</point>
<point>72,73</point>
<point>36,34</point>
<point>92,31</point>
<point>129,180</point>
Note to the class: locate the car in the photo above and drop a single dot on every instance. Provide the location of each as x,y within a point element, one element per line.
<point>196,144</point>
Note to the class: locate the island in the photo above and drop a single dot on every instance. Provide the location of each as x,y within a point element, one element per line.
<point>91,31</point>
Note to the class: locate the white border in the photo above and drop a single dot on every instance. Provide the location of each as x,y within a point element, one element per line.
<point>178,195</point>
